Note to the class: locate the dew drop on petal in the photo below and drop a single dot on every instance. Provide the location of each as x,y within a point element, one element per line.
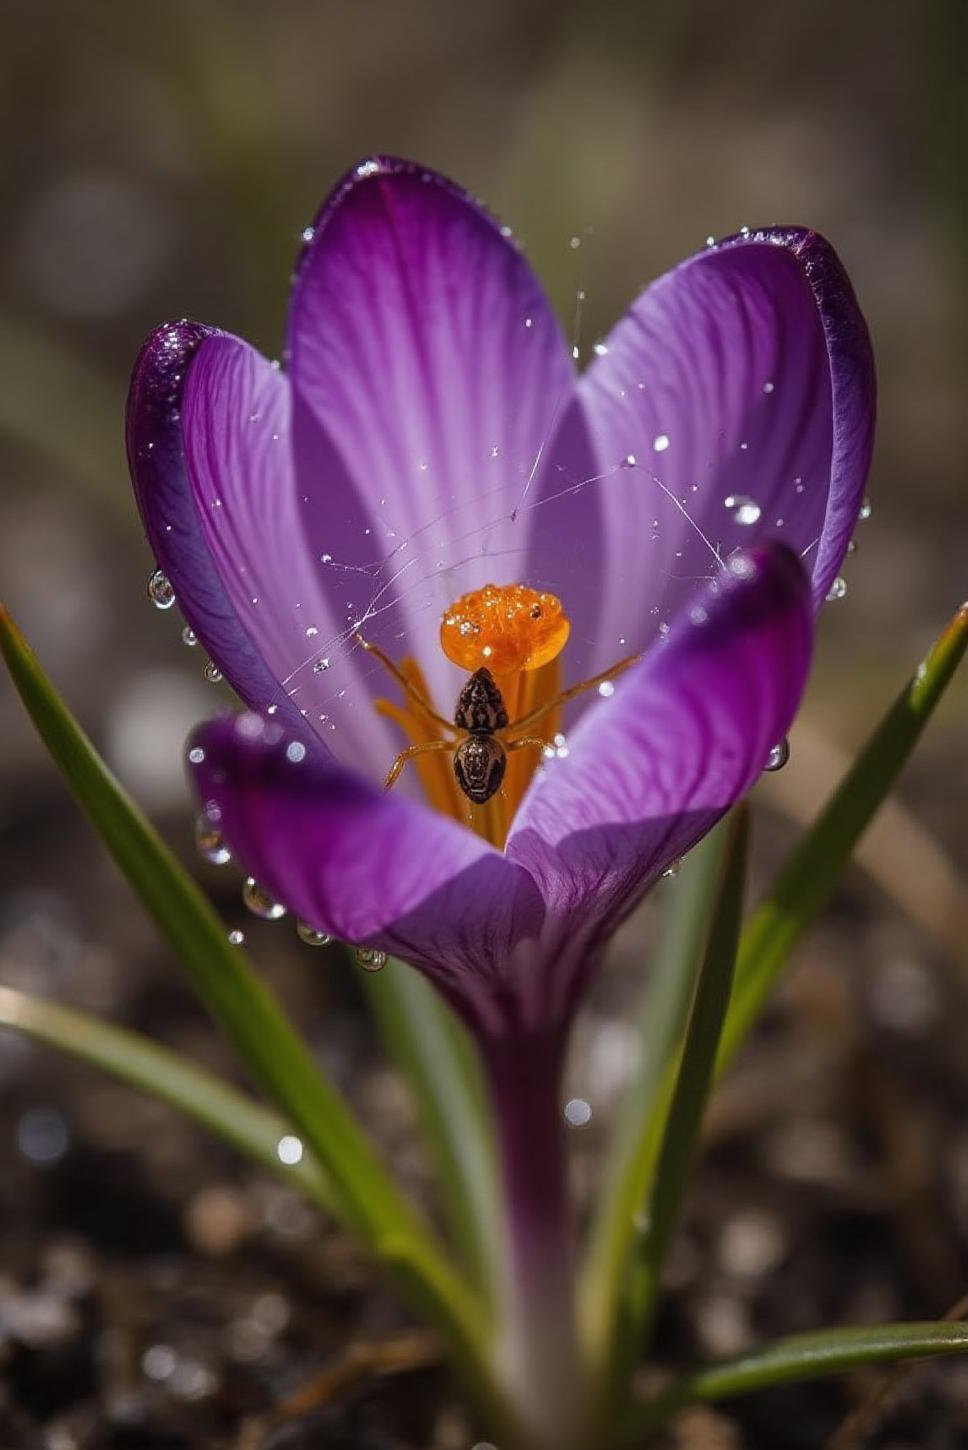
<point>311,936</point>
<point>837,589</point>
<point>320,666</point>
<point>710,241</point>
<point>672,871</point>
<point>778,756</point>
<point>745,510</point>
<point>160,592</point>
<point>236,937</point>
<point>196,755</point>
<point>370,959</point>
<point>260,903</point>
<point>768,387</point>
<point>852,547</point>
<point>212,673</point>
<point>600,349</point>
<point>209,841</point>
<point>578,1112</point>
<point>189,637</point>
<point>289,1150</point>
<point>295,751</point>
<point>660,443</point>
<point>864,512</point>
<point>606,689</point>
<point>308,233</point>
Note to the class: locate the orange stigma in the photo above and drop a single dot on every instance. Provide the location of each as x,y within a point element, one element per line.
<point>504,628</point>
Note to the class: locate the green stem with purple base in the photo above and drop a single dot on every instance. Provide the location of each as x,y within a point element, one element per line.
<point>537,1358</point>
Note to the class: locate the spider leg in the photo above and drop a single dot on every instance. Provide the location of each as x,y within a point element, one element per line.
<point>406,685</point>
<point>393,774</point>
<point>529,740</point>
<point>526,721</point>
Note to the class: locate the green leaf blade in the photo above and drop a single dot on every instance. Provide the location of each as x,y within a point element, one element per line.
<point>799,1357</point>
<point>165,1075</point>
<point>806,882</point>
<point>435,1055</point>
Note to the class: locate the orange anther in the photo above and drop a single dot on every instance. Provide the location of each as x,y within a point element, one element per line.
<point>504,627</point>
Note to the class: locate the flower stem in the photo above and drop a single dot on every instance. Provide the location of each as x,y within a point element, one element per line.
<point>537,1355</point>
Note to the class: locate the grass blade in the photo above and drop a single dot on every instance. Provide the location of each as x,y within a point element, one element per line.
<point>364,1195</point>
<point>156,1070</point>
<point>799,1357</point>
<point>631,1161</point>
<point>695,1071</point>
<point>806,882</point>
<point>435,1055</point>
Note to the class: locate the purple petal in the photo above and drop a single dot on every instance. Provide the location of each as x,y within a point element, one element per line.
<point>686,733</point>
<point>236,421</point>
<point>422,347</point>
<point>366,865</point>
<point>156,456</point>
<point>740,390</point>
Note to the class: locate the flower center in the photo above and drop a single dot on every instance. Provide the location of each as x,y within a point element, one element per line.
<point>517,633</point>
<point>505,627</point>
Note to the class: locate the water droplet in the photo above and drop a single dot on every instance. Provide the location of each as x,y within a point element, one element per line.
<point>798,485</point>
<point>212,673</point>
<point>529,322</point>
<point>698,615</point>
<point>42,1135</point>
<point>196,755</point>
<point>574,243</point>
<point>852,547</point>
<point>744,231</point>
<point>864,512</point>
<point>326,558</point>
<point>606,689</point>
<point>259,902</point>
<point>236,937</point>
<point>629,461</point>
<point>745,510</point>
<point>311,936</point>
<point>320,666</point>
<point>189,637</point>
<point>576,352</point>
<point>308,233</point>
<point>210,842</point>
<point>370,959</point>
<point>578,1112</point>
<point>295,751</point>
<point>160,591</point>
<point>289,1150</point>
<point>272,710</point>
<point>311,631</point>
<point>660,443</point>
<point>837,589</point>
<point>778,756</point>
<point>600,349</point>
<point>710,241</point>
<point>672,871</point>
<point>768,387</point>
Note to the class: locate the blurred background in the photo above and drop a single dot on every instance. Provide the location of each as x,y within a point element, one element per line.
<point>160,159</point>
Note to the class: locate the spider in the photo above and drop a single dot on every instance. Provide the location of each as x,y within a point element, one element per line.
<point>480,728</point>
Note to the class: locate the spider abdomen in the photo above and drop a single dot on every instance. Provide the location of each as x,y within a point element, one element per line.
<point>479,765</point>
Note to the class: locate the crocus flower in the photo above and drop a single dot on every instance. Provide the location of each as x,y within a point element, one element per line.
<point>688,499</point>
<point>389,499</point>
